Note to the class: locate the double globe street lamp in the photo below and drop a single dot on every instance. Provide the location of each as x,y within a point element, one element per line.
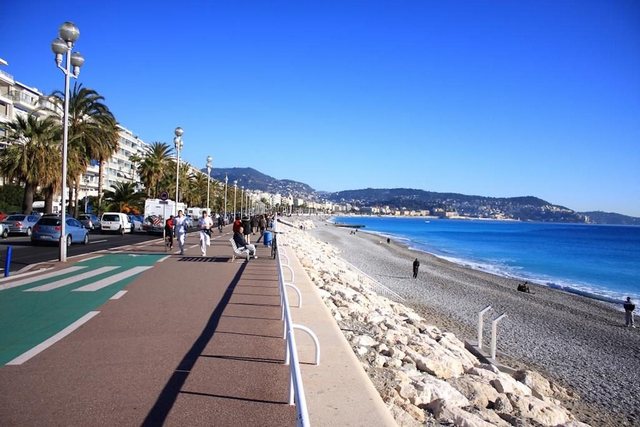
<point>177,142</point>
<point>235,189</point>
<point>209,160</point>
<point>242,200</point>
<point>62,46</point>
<point>226,178</point>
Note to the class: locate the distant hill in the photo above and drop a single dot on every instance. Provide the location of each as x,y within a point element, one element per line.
<point>599,217</point>
<point>525,208</point>
<point>251,178</point>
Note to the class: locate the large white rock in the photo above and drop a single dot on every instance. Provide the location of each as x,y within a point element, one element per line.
<point>365,341</point>
<point>476,389</point>
<point>436,361</point>
<point>430,388</point>
<point>446,413</point>
<point>542,412</point>
<point>506,384</point>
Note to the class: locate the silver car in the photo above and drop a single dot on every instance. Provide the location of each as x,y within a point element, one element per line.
<point>20,223</point>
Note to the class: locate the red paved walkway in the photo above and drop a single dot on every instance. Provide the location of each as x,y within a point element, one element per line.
<point>195,341</point>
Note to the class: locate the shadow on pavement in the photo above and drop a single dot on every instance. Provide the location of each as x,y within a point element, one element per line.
<point>158,414</point>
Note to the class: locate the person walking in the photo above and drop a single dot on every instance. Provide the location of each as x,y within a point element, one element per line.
<point>246,226</point>
<point>205,224</point>
<point>168,232</point>
<point>416,267</point>
<point>629,307</point>
<point>220,223</point>
<point>180,227</point>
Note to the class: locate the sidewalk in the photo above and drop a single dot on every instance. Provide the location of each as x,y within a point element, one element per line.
<point>194,341</point>
<point>338,391</point>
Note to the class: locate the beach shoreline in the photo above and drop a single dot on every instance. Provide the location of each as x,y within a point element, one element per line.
<point>575,340</point>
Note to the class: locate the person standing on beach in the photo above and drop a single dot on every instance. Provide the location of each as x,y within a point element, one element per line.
<point>416,266</point>
<point>629,307</point>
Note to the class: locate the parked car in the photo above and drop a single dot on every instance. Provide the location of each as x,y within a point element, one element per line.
<point>137,222</point>
<point>153,224</point>
<point>4,231</point>
<point>90,221</point>
<point>49,227</point>
<point>21,223</point>
<point>115,222</point>
<point>3,215</point>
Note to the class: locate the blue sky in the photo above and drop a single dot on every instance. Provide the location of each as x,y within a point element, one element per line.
<point>495,98</point>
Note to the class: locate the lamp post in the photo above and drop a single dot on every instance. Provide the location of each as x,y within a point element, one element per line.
<point>209,160</point>
<point>242,200</point>
<point>177,142</point>
<point>61,46</point>
<point>235,188</point>
<point>225,198</point>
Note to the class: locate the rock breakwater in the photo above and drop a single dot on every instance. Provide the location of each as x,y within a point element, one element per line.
<point>425,375</point>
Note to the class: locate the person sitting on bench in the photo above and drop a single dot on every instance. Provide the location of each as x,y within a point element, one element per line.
<point>241,243</point>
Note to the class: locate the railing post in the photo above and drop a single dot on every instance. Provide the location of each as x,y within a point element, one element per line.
<point>481,325</point>
<point>494,333</point>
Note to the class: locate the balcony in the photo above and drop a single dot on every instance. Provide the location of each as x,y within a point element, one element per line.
<point>25,99</point>
<point>6,77</point>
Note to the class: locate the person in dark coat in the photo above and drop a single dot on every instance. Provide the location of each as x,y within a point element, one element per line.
<point>416,266</point>
<point>629,307</point>
<point>246,225</point>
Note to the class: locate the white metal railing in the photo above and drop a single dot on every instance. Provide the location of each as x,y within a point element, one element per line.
<point>296,388</point>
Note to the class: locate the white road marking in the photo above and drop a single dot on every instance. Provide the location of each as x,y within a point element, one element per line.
<point>162,259</point>
<point>69,280</point>
<point>93,257</point>
<point>112,279</point>
<point>98,241</point>
<point>44,276</point>
<point>25,274</point>
<point>118,295</point>
<point>54,339</point>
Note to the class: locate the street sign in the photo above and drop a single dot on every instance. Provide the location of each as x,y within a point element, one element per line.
<point>164,202</point>
<point>164,195</point>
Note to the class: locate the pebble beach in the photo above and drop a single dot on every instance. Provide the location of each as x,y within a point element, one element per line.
<point>576,343</point>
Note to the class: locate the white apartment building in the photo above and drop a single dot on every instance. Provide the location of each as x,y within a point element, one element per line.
<point>18,99</point>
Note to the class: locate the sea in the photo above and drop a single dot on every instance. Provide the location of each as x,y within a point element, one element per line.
<point>597,261</point>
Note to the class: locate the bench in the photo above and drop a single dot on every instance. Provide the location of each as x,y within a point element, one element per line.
<point>238,252</point>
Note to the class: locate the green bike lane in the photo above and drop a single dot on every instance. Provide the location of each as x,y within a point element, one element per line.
<point>42,307</point>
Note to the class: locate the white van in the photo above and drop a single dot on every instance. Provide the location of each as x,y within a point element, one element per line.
<point>115,222</point>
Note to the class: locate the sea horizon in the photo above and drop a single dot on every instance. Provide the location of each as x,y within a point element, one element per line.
<point>596,261</point>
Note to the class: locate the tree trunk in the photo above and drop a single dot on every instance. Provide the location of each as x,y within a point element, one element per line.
<point>27,200</point>
<point>48,200</point>
<point>76,204</point>
<point>100,183</point>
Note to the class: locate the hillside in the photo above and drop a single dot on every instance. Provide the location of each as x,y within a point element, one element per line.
<point>599,217</point>
<point>525,208</point>
<point>251,178</point>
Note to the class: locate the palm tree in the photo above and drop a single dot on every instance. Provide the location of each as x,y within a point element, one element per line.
<point>33,156</point>
<point>93,134</point>
<point>154,166</point>
<point>124,195</point>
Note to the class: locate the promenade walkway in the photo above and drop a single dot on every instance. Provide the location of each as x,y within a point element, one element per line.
<point>193,341</point>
